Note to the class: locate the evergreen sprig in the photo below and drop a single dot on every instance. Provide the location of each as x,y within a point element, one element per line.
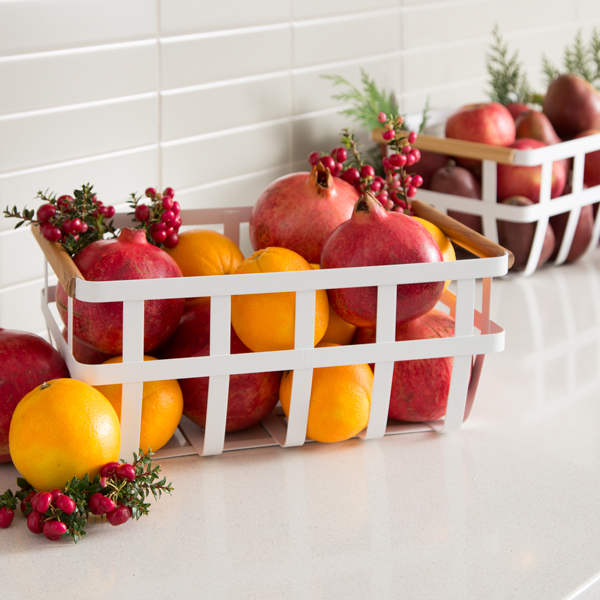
<point>366,103</point>
<point>508,80</point>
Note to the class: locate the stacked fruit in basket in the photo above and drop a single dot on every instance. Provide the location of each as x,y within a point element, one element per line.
<point>516,118</point>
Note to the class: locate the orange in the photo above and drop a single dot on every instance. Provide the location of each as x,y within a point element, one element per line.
<point>445,245</point>
<point>63,428</point>
<point>338,331</point>
<point>266,321</point>
<point>162,407</point>
<point>340,400</point>
<point>205,252</point>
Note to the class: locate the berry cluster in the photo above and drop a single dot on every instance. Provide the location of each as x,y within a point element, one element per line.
<point>119,492</point>
<point>160,219</point>
<point>74,221</point>
<point>392,186</point>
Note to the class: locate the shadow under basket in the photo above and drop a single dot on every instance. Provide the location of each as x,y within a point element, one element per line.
<point>469,303</point>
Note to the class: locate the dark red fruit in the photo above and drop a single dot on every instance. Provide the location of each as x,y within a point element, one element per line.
<point>41,502</point>
<point>93,504</point>
<point>109,469</point>
<point>35,522</point>
<point>6,517</point>
<point>126,471</point>
<point>46,212</point>
<point>54,530</point>
<point>105,504</point>
<point>26,499</point>
<point>66,504</point>
<point>142,212</point>
<point>119,515</point>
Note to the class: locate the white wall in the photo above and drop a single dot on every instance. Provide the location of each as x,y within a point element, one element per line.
<point>217,99</point>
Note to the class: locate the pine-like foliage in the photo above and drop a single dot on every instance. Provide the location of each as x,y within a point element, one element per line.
<point>508,81</point>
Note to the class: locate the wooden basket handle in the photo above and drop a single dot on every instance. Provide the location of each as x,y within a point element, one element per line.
<point>461,234</point>
<point>60,261</point>
<point>452,147</point>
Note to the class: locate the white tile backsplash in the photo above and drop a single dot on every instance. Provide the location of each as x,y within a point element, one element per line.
<point>219,99</point>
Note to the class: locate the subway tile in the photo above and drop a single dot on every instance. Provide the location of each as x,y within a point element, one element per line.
<point>40,25</point>
<point>589,9</point>
<point>184,114</point>
<point>228,155</point>
<point>189,62</point>
<point>313,9</point>
<point>430,67</point>
<point>46,80</point>
<point>321,133</point>
<point>87,130</point>
<point>534,14</point>
<point>20,307</point>
<point>183,17</point>
<point>427,25</point>
<point>113,178</point>
<point>355,36</point>
<point>28,259</point>
<point>445,97</point>
<point>312,92</point>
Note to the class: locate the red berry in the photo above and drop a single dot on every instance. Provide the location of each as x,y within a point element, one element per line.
<point>337,169</point>
<point>84,227</point>
<point>410,159</point>
<point>142,212</point>
<point>64,200</point>
<point>367,171</point>
<point>411,192</point>
<point>54,530</point>
<point>388,163</point>
<point>6,517</point>
<point>150,192</point>
<point>168,191</point>
<point>167,202</point>
<point>406,149</point>
<point>416,153</point>
<point>351,175</point>
<point>46,212</point>
<point>26,499</point>
<point>175,223</point>
<point>381,117</point>
<point>176,207</point>
<point>110,212</point>
<point>375,186</point>
<point>159,235</point>
<point>313,158</point>
<point>389,205</point>
<point>66,504</point>
<point>93,503</point>
<point>341,155</point>
<point>56,493</point>
<point>412,137</point>
<point>109,469</point>
<point>171,240</point>
<point>75,225</point>
<point>119,515</point>
<point>327,162</point>
<point>51,232</point>
<point>417,180</point>
<point>105,504</point>
<point>126,471</point>
<point>407,180</point>
<point>41,502</point>
<point>103,481</point>
<point>35,522</point>
<point>388,135</point>
<point>167,216</point>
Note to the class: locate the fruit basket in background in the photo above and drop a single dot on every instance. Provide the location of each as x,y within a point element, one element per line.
<point>491,211</point>
<point>469,303</point>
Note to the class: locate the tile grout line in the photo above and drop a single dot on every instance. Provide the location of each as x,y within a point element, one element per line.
<point>159,152</point>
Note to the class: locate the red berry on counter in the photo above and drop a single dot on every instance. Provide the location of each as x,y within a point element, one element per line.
<point>105,504</point>
<point>26,499</point>
<point>41,502</point>
<point>126,471</point>
<point>6,517</point>
<point>119,515</point>
<point>35,522</point>
<point>54,530</point>
<point>55,493</point>
<point>66,504</point>
<point>93,503</point>
<point>109,469</point>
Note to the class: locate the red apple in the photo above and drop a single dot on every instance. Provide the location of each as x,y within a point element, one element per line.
<point>419,387</point>
<point>458,181</point>
<point>487,123</point>
<point>582,236</point>
<point>591,169</point>
<point>518,237</point>
<point>536,125</point>
<point>427,165</point>
<point>515,180</point>
<point>516,109</point>
<point>252,396</point>
<point>26,361</point>
<point>85,354</point>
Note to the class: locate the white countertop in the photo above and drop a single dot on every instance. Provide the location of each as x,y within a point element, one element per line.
<point>506,508</point>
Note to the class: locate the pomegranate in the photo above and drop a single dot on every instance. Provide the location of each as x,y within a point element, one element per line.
<point>375,236</point>
<point>299,212</point>
<point>26,361</point>
<point>85,354</point>
<point>252,396</point>
<point>419,387</point>
<point>128,256</point>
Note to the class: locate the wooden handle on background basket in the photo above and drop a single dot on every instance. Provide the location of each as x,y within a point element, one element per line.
<point>461,234</point>
<point>452,147</point>
<point>62,264</point>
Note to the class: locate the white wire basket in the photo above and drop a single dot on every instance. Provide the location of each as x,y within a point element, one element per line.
<point>475,336</point>
<point>491,211</point>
